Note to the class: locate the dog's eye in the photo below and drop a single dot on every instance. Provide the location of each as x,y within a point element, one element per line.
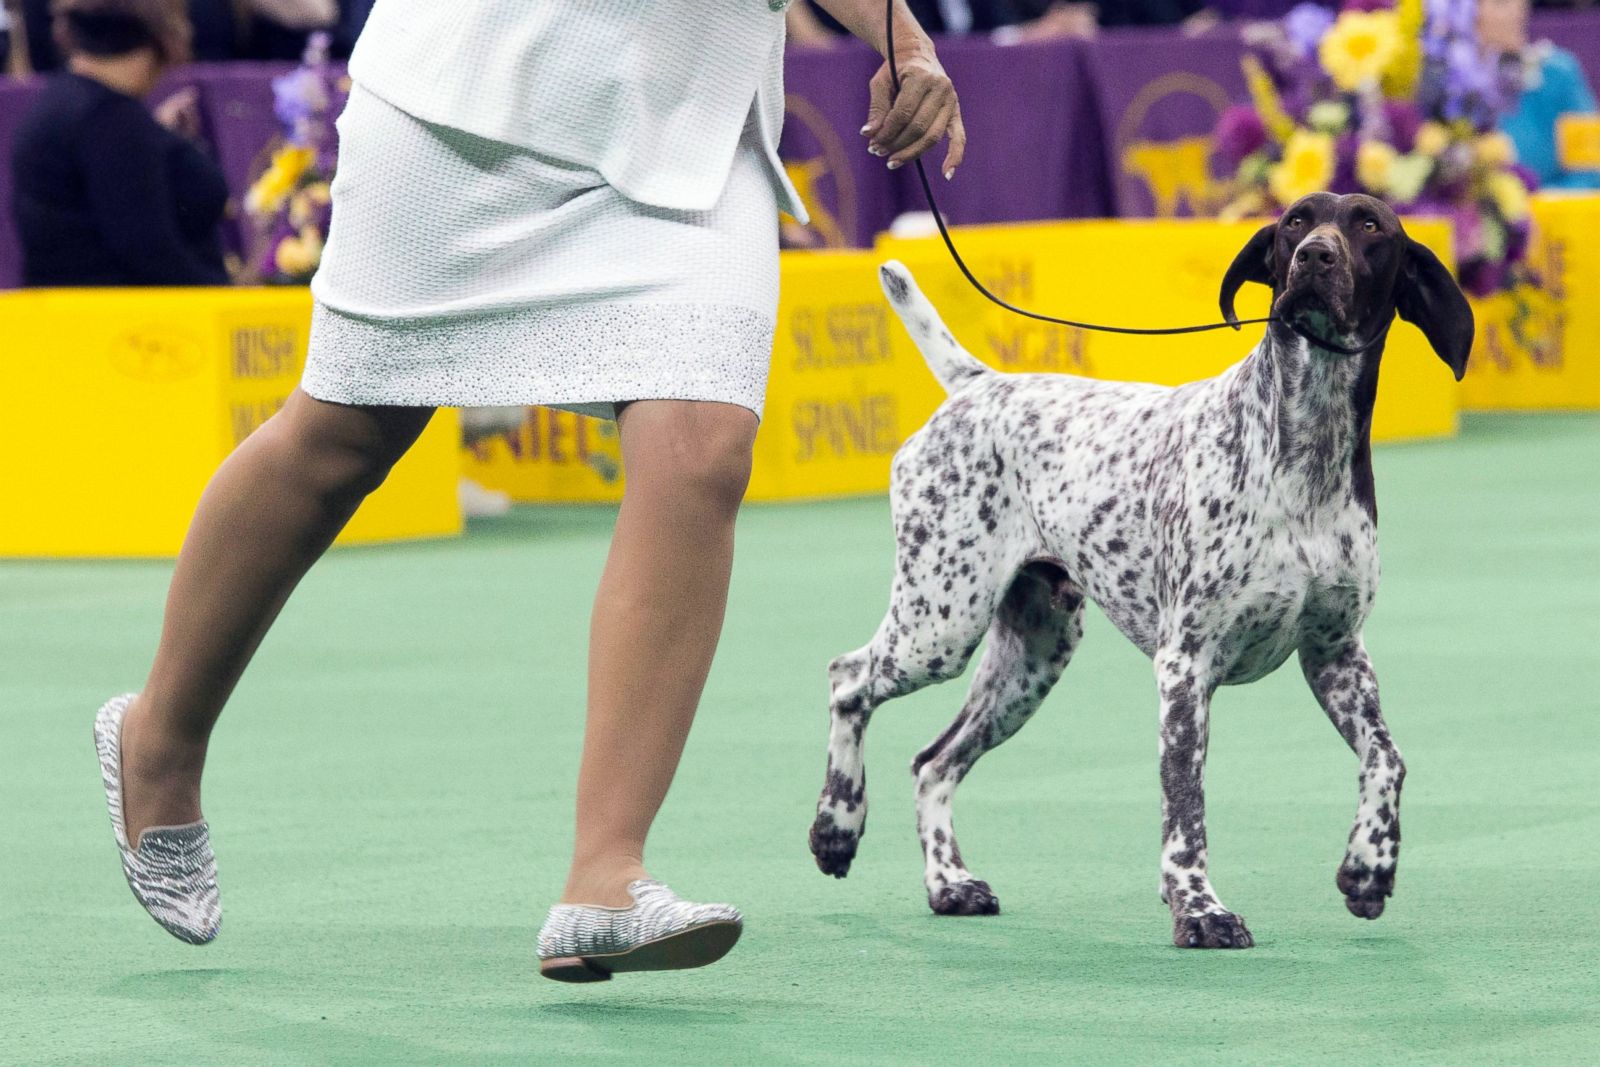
<point>1293,222</point>
<point>1371,226</point>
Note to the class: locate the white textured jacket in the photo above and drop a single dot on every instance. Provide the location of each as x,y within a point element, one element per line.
<point>653,94</point>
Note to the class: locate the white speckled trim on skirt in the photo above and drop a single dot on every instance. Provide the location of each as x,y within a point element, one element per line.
<point>465,272</point>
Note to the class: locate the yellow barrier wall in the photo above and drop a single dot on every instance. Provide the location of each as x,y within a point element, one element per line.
<point>1155,273</point>
<point>848,387</point>
<point>1538,346</point>
<point>554,457</point>
<point>117,406</point>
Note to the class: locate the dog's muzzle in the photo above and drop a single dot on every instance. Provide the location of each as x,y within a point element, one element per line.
<point>1320,287</point>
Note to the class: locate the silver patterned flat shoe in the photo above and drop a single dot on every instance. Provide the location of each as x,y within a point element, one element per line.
<point>658,932</point>
<point>172,870</point>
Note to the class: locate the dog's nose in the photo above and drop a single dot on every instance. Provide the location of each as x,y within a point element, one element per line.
<point>1316,253</point>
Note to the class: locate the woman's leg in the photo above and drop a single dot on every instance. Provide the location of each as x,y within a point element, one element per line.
<point>655,627</point>
<point>272,509</point>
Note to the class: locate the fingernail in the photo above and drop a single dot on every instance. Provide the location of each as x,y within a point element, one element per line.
<point>865,128</point>
<point>874,150</point>
<point>894,164</point>
<point>951,173</point>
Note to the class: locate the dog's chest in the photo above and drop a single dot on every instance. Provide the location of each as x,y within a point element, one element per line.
<point>1314,577</point>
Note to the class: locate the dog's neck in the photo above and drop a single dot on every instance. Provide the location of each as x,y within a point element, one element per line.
<point>1310,418</point>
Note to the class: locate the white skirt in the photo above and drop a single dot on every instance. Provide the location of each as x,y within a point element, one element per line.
<point>465,272</point>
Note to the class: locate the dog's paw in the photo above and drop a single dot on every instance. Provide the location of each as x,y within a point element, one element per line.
<point>833,846</point>
<point>1210,930</point>
<point>1365,889</point>
<point>965,898</point>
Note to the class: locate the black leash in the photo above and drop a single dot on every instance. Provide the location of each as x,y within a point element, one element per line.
<point>944,231</point>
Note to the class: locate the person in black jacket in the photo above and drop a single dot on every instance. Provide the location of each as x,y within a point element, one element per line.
<point>104,194</point>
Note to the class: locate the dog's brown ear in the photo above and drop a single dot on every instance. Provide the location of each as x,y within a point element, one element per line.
<point>1252,264</point>
<point>1427,296</point>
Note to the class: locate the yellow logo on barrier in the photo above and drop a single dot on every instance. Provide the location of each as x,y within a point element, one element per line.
<point>265,351</point>
<point>551,455</point>
<point>1177,172</point>
<point>828,228</point>
<point>157,354</point>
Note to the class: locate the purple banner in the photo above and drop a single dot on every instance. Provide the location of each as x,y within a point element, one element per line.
<point>1160,96</point>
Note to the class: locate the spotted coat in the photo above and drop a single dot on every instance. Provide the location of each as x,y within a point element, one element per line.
<point>1221,526</point>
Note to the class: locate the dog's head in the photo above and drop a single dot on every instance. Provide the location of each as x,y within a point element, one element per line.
<point>1342,266</point>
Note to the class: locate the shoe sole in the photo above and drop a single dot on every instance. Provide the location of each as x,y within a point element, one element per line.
<point>694,947</point>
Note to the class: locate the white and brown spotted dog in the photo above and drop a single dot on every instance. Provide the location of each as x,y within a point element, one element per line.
<point>1220,525</point>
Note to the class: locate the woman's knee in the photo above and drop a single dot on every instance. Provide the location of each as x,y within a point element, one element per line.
<point>700,449</point>
<point>340,451</point>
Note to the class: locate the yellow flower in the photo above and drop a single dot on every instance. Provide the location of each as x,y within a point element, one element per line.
<point>1409,16</point>
<point>1306,167</point>
<point>1407,175</point>
<point>1401,77</point>
<point>1265,97</point>
<point>1405,70</point>
<point>1374,166</point>
<point>304,204</point>
<point>1509,194</point>
<point>299,256</point>
<point>1329,116</point>
<point>1360,47</point>
<point>1432,139</point>
<point>1494,150</point>
<point>288,165</point>
<point>1247,204</point>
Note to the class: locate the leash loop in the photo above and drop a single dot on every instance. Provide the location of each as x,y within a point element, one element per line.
<point>949,243</point>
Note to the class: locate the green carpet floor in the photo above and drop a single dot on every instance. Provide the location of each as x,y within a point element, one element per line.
<point>390,793</point>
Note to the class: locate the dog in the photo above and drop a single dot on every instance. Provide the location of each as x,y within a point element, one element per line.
<point>1220,525</point>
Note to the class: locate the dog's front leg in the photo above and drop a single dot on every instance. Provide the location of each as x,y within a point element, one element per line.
<point>1341,677</point>
<point>1198,919</point>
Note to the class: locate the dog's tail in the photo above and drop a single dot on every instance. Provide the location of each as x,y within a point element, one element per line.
<point>953,365</point>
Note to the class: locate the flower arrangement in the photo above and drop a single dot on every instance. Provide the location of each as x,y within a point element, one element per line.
<point>289,205</point>
<point>1398,102</point>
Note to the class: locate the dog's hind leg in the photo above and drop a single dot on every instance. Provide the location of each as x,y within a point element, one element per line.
<point>1346,687</point>
<point>1030,642</point>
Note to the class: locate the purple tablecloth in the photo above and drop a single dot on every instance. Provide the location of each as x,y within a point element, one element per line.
<point>1059,129</point>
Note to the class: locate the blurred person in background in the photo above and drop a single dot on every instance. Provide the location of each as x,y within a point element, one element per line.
<point>259,29</point>
<point>1553,84</point>
<point>107,193</point>
<point>1013,21</point>
<point>222,29</point>
<point>31,20</point>
<point>1009,20</point>
<point>13,45</point>
<point>278,29</point>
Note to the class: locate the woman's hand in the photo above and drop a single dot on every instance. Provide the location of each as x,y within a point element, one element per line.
<point>904,126</point>
<point>900,127</point>
<point>180,113</point>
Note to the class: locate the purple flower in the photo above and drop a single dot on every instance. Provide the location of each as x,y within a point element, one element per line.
<point>1517,234</point>
<point>1481,277</point>
<point>1240,132</point>
<point>1344,165</point>
<point>1468,226</point>
<point>1297,103</point>
<point>1305,26</point>
<point>297,98</point>
<point>1451,18</point>
<point>1403,120</point>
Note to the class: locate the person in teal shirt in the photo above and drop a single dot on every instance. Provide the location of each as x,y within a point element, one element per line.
<point>1553,85</point>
